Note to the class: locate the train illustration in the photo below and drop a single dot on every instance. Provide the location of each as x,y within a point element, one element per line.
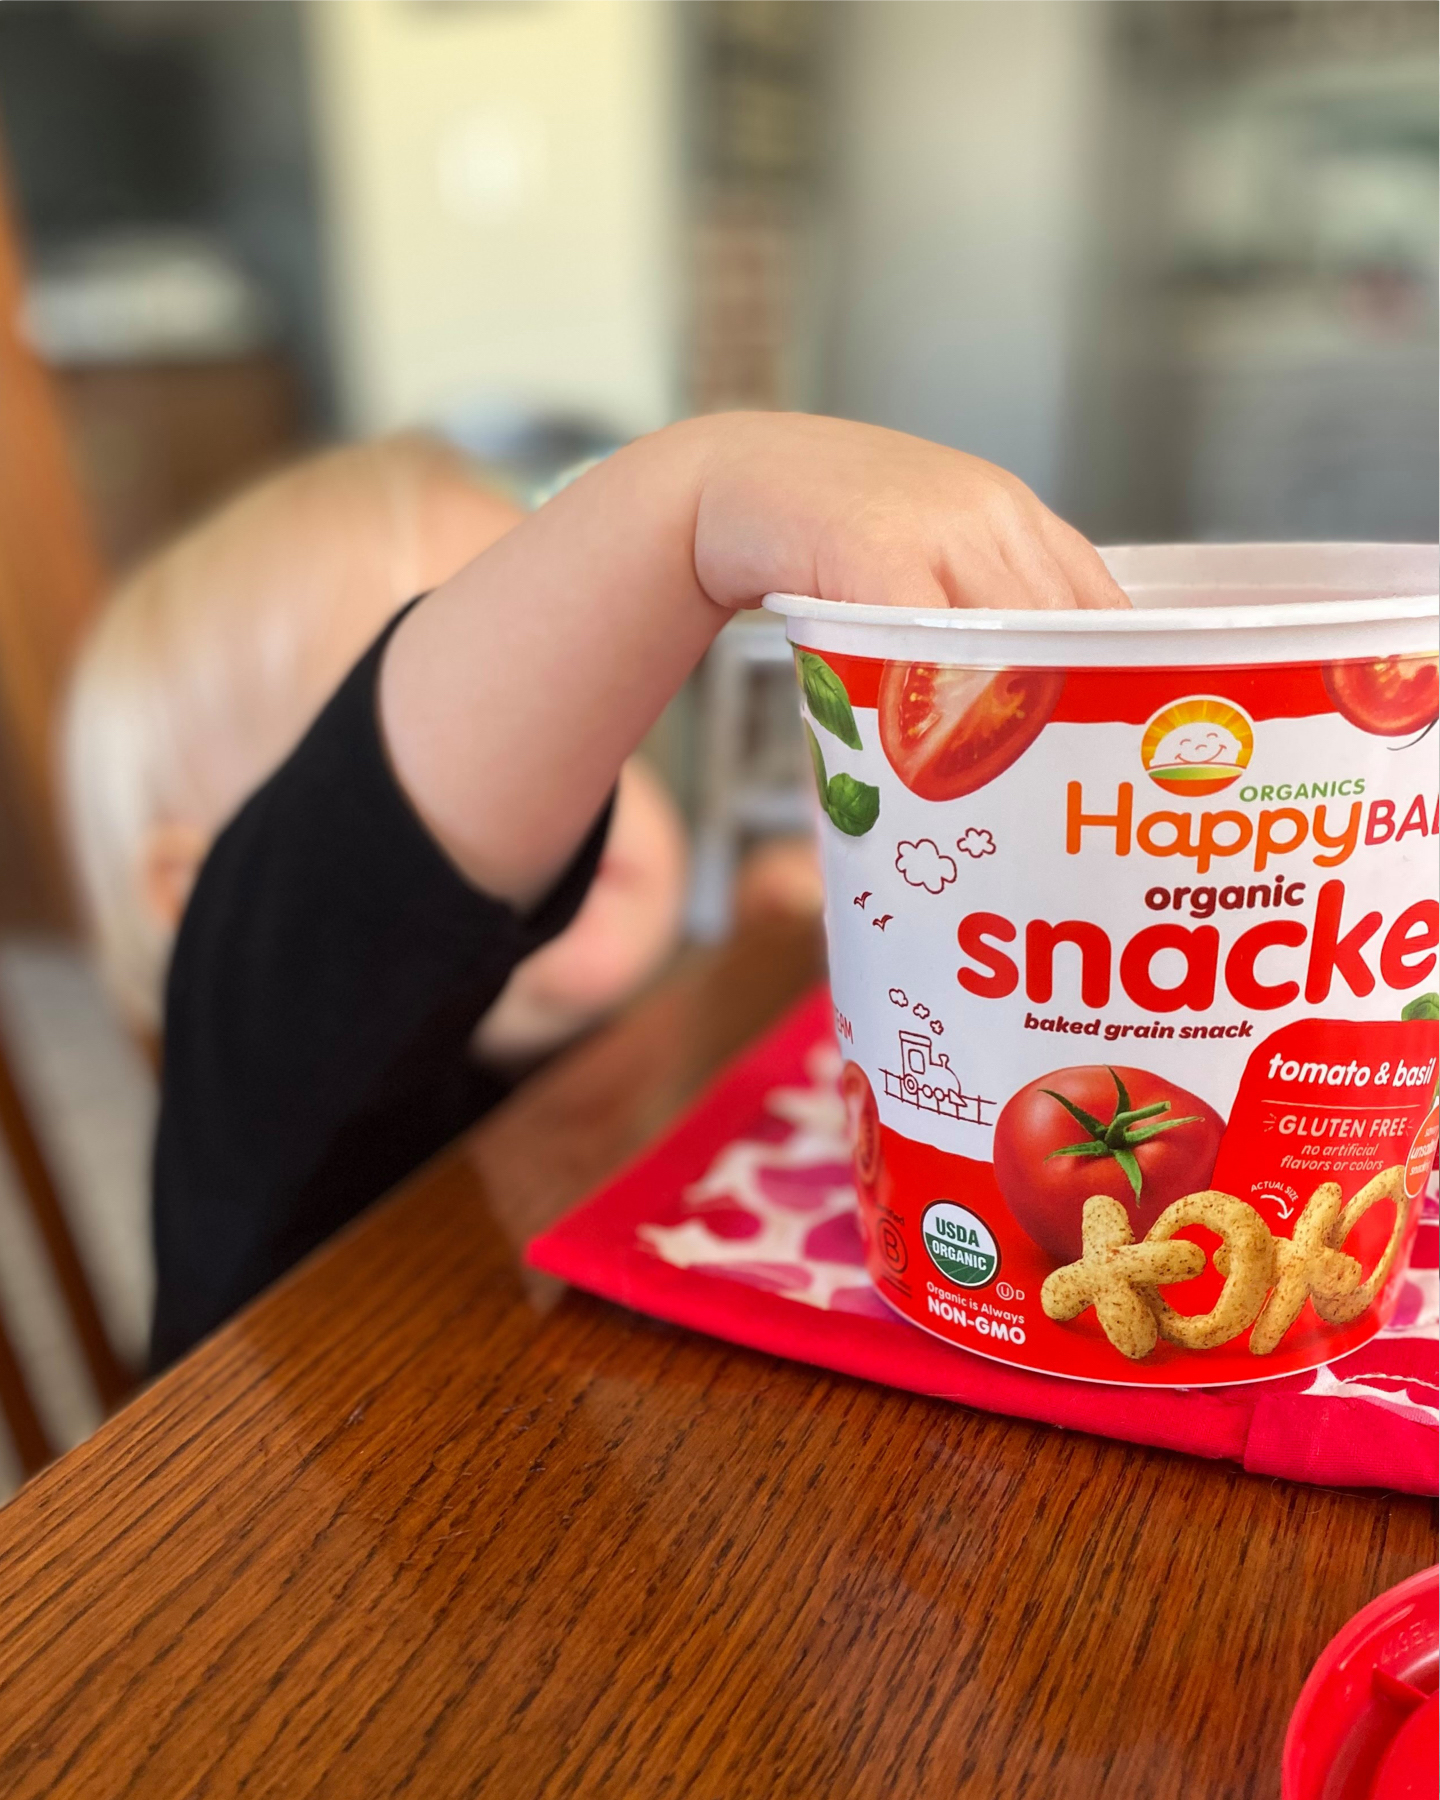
<point>926,1080</point>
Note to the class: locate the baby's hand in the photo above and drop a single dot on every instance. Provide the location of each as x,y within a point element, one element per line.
<point>793,503</point>
<point>511,697</point>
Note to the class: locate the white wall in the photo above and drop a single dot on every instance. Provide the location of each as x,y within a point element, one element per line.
<point>498,187</point>
<point>960,178</point>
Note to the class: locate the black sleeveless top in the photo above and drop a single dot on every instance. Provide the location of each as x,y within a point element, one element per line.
<point>330,968</point>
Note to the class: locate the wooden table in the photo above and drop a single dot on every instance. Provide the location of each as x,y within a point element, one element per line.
<point>419,1524</point>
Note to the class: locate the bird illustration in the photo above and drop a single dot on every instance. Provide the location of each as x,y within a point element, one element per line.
<point>883,920</point>
<point>860,899</point>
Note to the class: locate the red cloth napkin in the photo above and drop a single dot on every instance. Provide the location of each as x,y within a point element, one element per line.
<point>741,1223</point>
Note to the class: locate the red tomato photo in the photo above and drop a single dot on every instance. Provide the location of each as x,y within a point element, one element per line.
<point>1392,698</point>
<point>948,731</point>
<point>864,1119</point>
<point>1100,1130</point>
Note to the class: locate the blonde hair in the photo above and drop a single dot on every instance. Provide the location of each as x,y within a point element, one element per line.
<point>210,662</point>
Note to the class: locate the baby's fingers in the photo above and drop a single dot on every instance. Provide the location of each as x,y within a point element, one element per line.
<point>1044,583</point>
<point>972,581</point>
<point>1044,565</point>
<point>1091,583</point>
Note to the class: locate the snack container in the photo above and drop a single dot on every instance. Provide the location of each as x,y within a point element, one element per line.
<point>1132,920</point>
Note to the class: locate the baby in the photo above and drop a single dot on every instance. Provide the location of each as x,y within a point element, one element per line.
<point>210,663</point>
<point>447,811</point>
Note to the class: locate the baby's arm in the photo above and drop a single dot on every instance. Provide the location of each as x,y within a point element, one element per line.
<point>510,698</point>
<point>628,923</point>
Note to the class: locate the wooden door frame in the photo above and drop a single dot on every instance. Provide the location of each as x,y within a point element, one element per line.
<point>50,572</point>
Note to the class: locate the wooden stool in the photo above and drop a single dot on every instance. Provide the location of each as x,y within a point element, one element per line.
<point>112,1379</point>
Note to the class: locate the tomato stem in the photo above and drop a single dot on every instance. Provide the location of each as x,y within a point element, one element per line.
<point>1120,1136</point>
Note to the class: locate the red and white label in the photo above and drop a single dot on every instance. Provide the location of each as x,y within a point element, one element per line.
<point>1131,933</point>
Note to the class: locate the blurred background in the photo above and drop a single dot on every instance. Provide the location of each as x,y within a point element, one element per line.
<point>1174,264</point>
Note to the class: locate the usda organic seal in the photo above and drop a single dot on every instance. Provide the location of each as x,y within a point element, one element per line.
<point>960,1245</point>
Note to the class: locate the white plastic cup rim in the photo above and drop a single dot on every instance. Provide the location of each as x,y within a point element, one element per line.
<point>1288,603</point>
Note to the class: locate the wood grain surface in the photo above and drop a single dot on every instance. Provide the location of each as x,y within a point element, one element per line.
<point>417,1524</point>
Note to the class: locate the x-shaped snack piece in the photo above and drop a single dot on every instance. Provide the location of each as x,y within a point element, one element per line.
<point>1249,1264</point>
<point>1109,1273</point>
<point>1306,1263</point>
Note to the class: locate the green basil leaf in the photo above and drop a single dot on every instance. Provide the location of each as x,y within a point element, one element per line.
<point>1423,1006</point>
<point>817,762</point>
<point>853,805</point>
<point>826,697</point>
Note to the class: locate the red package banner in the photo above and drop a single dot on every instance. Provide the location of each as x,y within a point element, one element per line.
<point>1329,1100</point>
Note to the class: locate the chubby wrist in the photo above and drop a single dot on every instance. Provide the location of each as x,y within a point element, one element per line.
<point>678,468</point>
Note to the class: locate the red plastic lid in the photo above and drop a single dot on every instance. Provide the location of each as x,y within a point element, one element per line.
<point>1410,1769</point>
<point>1364,1727</point>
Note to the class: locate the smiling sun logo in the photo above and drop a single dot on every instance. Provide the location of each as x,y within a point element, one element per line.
<point>1197,746</point>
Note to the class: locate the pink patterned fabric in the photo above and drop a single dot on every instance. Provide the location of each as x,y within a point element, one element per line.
<point>741,1223</point>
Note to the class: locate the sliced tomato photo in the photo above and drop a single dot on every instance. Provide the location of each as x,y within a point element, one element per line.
<point>863,1117</point>
<point>948,731</point>
<point>1100,1130</point>
<point>1391,698</point>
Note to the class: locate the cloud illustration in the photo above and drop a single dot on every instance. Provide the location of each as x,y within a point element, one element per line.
<point>976,843</point>
<point>898,997</point>
<point>920,1011</point>
<point>923,865</point>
